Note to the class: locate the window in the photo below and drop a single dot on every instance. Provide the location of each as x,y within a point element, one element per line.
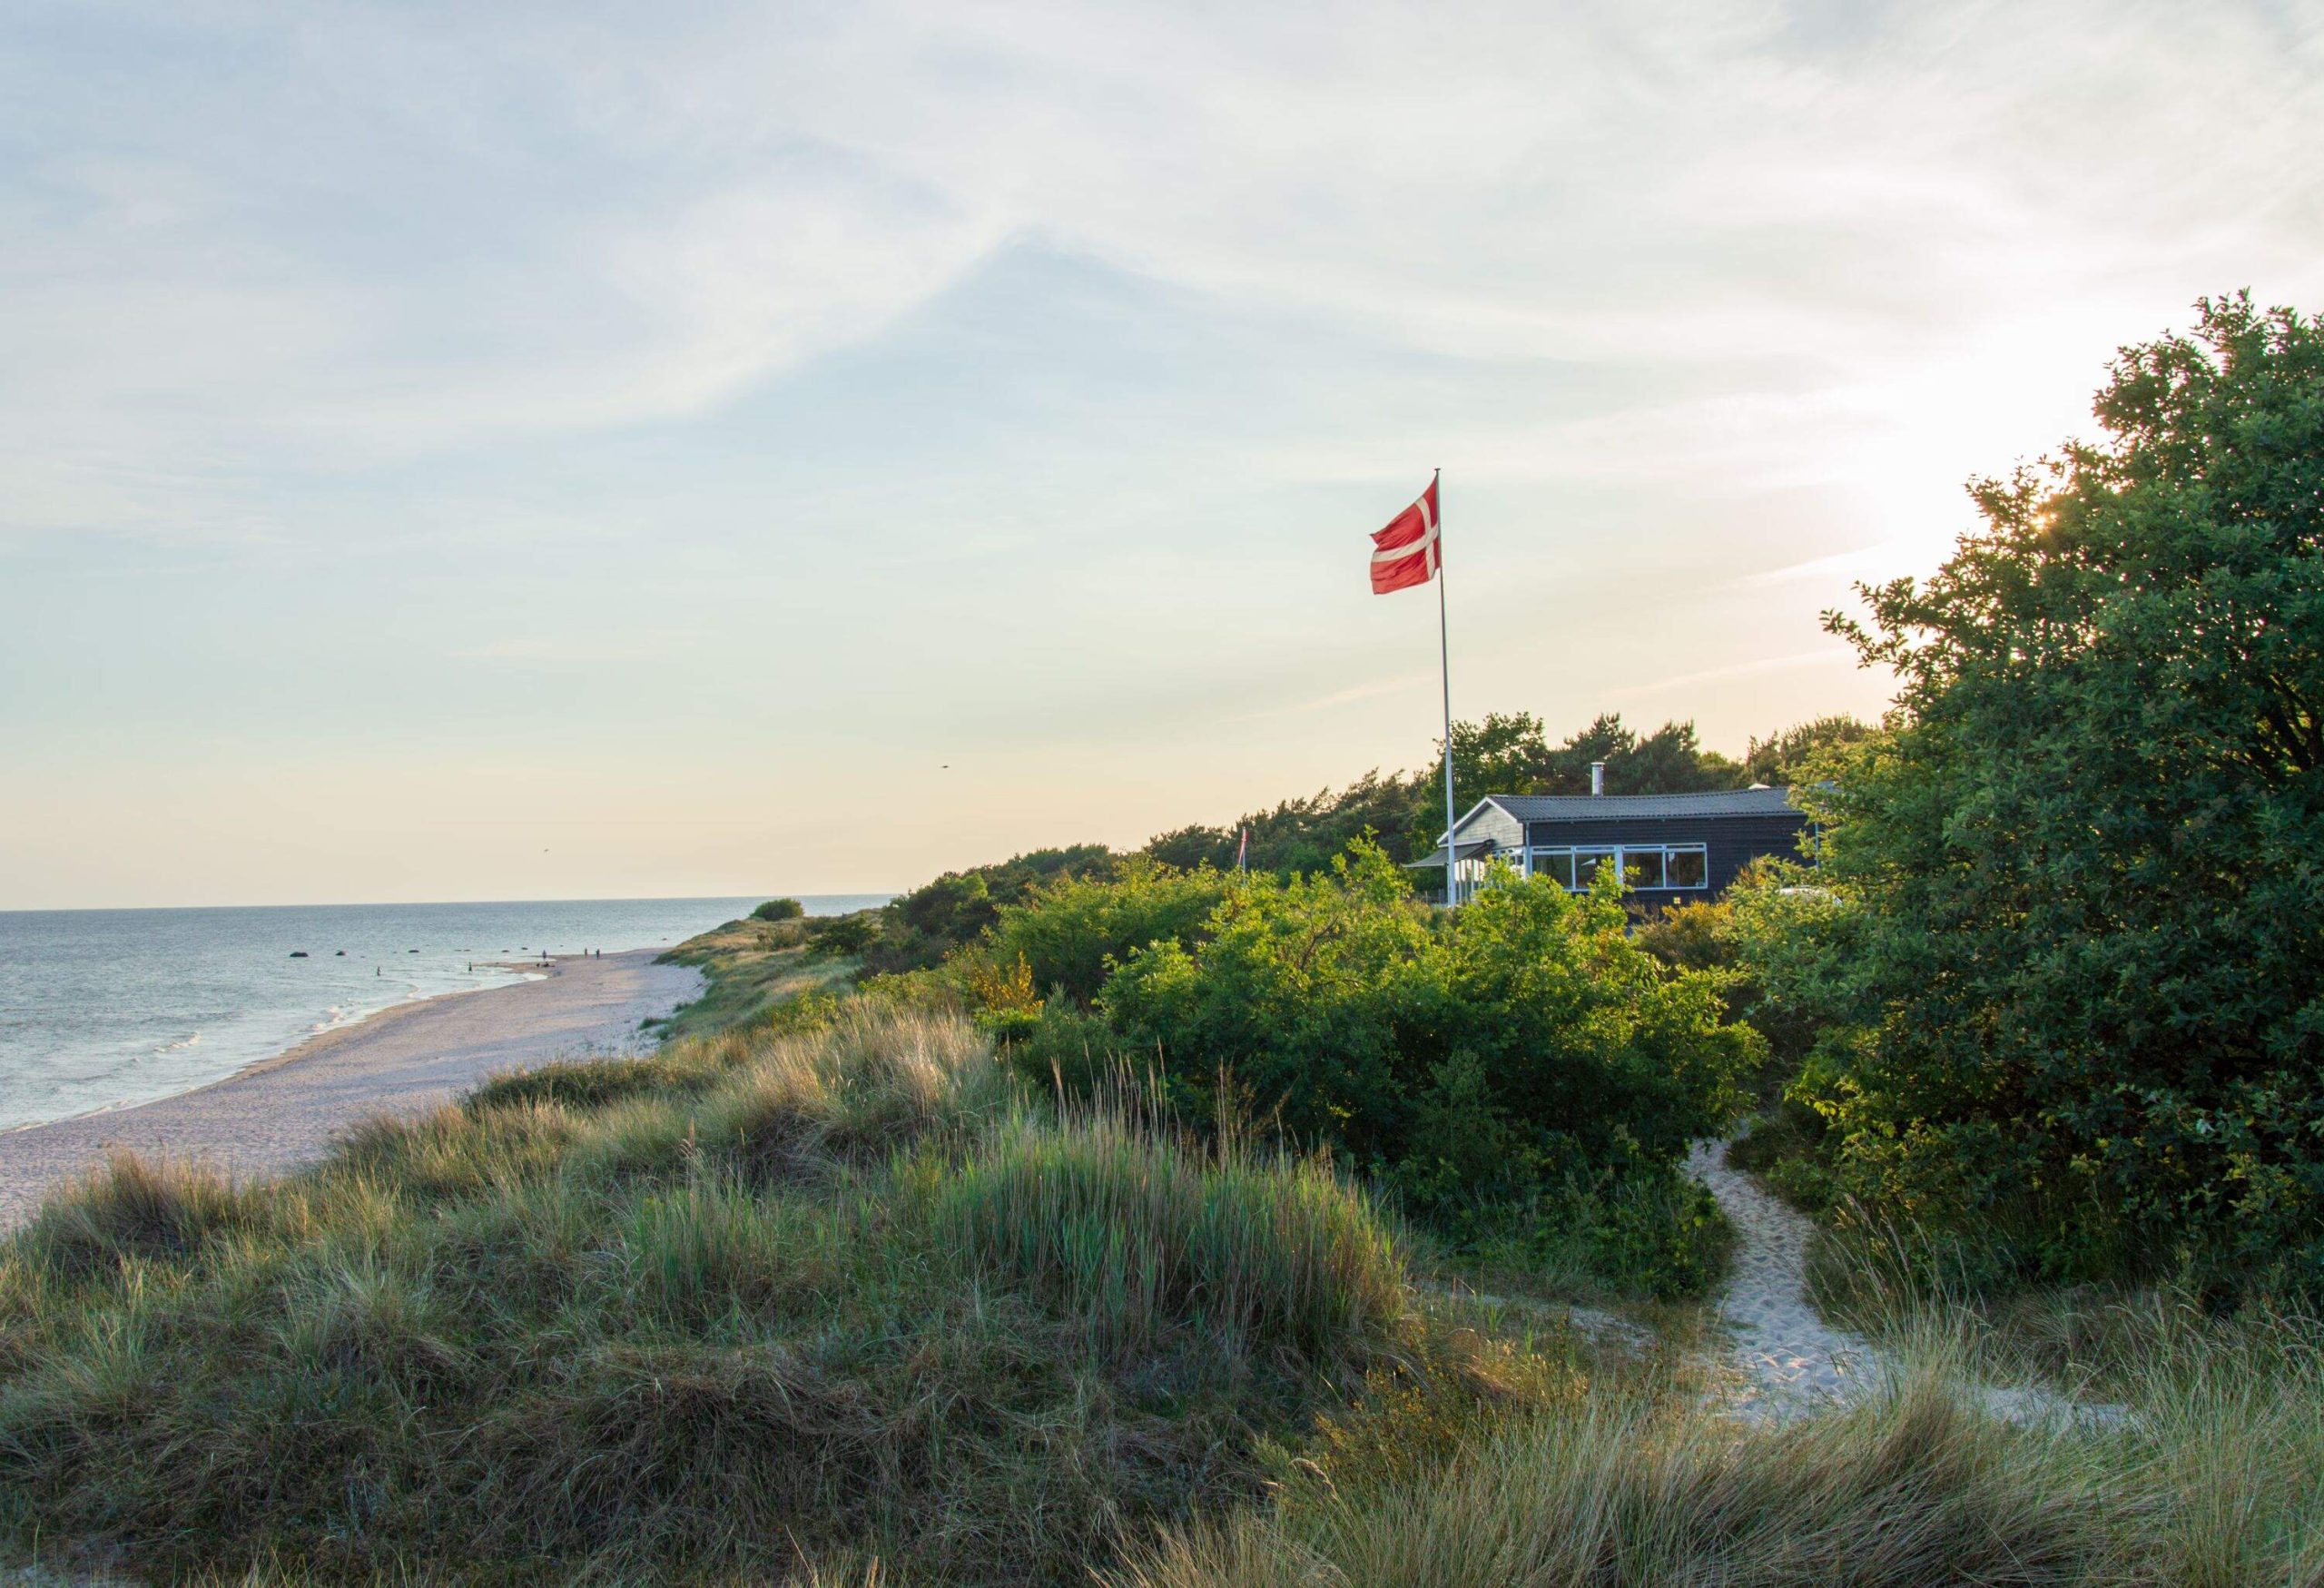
<point>1663,866</point>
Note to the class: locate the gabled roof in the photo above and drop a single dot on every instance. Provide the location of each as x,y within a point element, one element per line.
<point>1727,802</point>
<point>1482,848</point>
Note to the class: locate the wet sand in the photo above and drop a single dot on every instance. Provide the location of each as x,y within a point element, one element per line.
<point>278,1113</point>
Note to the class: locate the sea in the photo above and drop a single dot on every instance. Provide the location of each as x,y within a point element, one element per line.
<point>102,1009</point>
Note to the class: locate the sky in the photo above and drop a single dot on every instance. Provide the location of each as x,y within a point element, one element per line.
<point>594,450</point>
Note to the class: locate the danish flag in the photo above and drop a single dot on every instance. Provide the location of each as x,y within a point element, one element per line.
<point>1410,550</point>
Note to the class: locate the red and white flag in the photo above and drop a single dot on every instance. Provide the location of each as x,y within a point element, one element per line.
<point>1409,551</point>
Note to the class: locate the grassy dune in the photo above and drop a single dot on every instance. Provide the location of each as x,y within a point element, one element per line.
<point>760,1304</point>
<point>754,970</point>
<point>2214,1482</point>
<point>854,1304</point>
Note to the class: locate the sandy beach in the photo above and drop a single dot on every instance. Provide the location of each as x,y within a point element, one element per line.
<point>278,1113</point>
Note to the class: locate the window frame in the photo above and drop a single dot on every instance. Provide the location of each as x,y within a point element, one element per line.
<point>1537,854</point>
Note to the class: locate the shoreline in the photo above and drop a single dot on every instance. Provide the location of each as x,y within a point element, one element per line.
<point>315,1043</point>
<point>276,1113</point>
<point>538,971</point>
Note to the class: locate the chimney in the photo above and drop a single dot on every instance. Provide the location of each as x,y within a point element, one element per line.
<point>1597,777</point>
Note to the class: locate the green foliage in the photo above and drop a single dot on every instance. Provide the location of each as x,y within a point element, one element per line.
<point>1708,938</point>
<point>1073,1052</point>
<point>1070,933</point>
<point>857,933</point>
<point>1522,1034</point>
<point>779,910</point>
<point>2073,936</point>
<point>1506,753</point>
<point>1304,834</point>
<point>1800,754</point>
<point>916,932</point>
<point>1648,1230</point>
<point>1510,753</point>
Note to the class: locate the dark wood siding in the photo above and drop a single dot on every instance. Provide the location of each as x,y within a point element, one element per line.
<point>1729,843</point>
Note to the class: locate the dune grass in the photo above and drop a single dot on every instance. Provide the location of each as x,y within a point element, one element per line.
<point>755,972</point>
<point>2214,1481</point>
<point>2221,1436</point>
<point>796,1303</point>
<point>853,1305</point>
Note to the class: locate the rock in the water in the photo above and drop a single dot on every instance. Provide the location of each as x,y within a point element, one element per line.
<point>298,953</point>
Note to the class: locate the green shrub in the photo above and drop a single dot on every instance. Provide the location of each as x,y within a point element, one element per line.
<point>844,934</point>
<point>779,910</point>
<point>1519,1036</point>
<point>1071,932</point>
<point>1789,1148</point>
<point>1648,1230</point>
<point>1073,1052</point>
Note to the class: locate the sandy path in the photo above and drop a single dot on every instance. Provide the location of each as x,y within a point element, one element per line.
<point>1784,1360</point>
<point>1787,1360</point>
<point>274,1115</point>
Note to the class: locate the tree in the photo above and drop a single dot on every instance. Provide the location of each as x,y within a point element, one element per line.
<point>1795,754</point>
<point>2079,919</point>
<point>1304,835</point>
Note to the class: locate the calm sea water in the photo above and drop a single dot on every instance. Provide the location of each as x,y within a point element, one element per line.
<point>101,1008</point>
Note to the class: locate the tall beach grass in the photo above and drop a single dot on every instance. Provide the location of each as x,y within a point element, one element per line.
<point>765,1305</point>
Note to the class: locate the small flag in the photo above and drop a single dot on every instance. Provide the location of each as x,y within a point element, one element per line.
<point>1409,551</point>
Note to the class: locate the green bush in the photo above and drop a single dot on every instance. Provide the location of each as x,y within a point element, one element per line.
<point>1646,1231</point>
<point>1523,1035</point>
<point>779,910</point>
<point>844,934</point>
<point>1071,932</point>
<point>1073,1051</point>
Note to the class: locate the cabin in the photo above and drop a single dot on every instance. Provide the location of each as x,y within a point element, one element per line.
<point>1672,848</point>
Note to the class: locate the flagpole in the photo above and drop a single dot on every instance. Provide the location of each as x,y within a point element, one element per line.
<point>1444,660</point>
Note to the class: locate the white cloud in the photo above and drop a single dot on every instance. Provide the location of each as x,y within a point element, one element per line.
<point>574,224</point>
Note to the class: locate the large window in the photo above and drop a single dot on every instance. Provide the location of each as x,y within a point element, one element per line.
<point>1644,866</point>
